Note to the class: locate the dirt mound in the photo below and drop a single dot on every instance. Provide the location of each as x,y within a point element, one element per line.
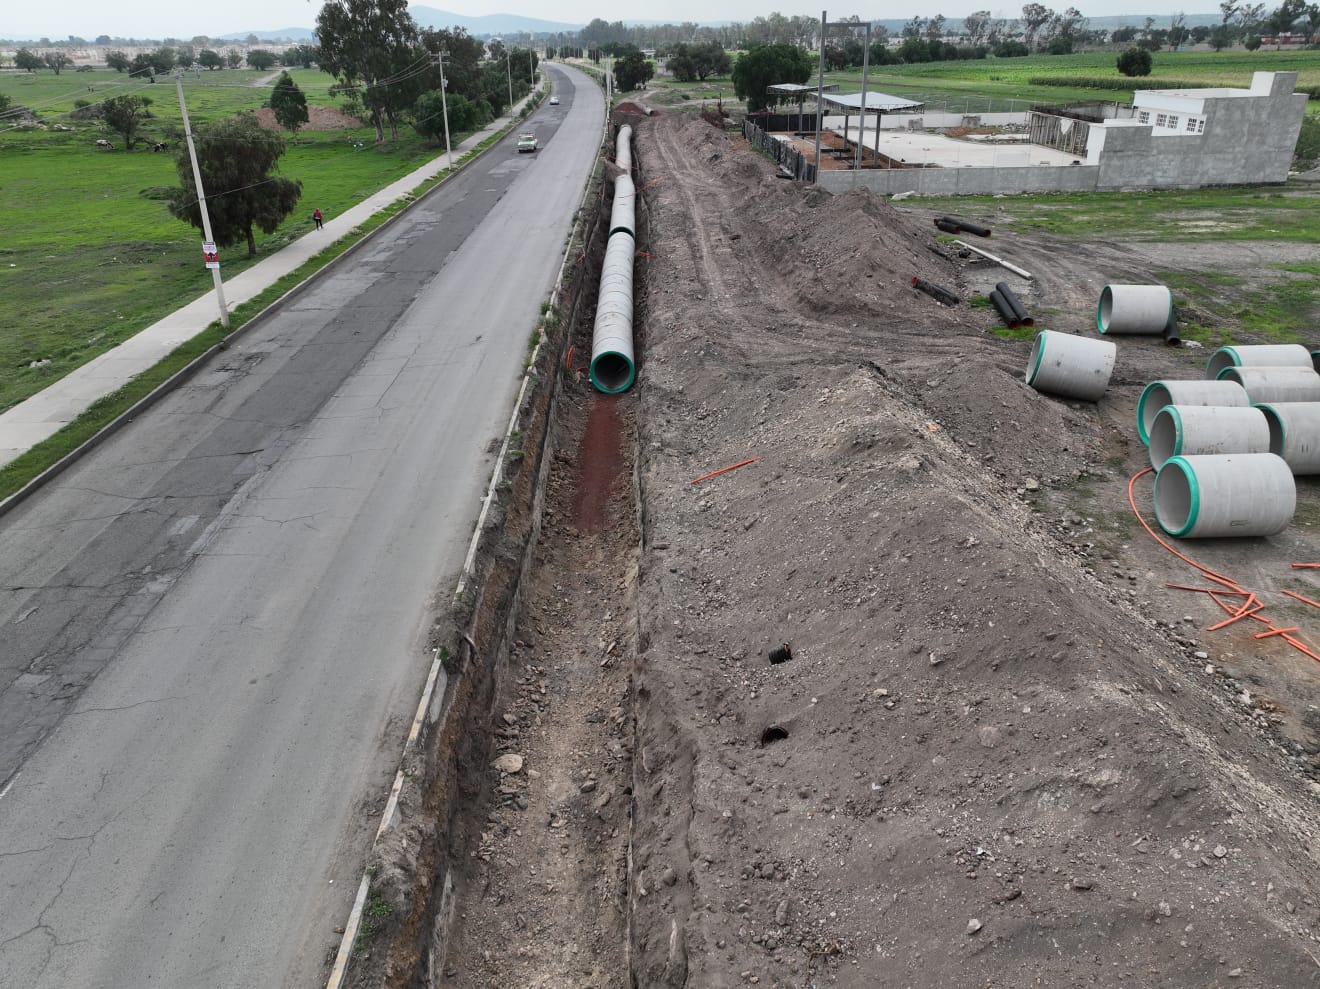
<point>983,765</point>
<point>319,118</point>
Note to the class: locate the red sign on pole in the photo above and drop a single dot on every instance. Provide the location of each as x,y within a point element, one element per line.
<point>210,254</point>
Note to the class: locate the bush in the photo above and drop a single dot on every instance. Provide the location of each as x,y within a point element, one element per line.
<point>1134,62</point>
<point>1011,49</point>
<point>1307,153</point>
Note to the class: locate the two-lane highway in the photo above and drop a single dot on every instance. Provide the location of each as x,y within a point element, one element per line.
<point>213,628</point>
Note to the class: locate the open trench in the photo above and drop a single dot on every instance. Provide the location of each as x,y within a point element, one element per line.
<point>540,885</point>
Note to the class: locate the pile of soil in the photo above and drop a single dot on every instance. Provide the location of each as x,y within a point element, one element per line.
<point>319,118</point>
<point>992,748</point>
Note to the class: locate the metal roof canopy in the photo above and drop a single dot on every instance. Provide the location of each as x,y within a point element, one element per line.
<point>882,102</point>
<point>797,89</point>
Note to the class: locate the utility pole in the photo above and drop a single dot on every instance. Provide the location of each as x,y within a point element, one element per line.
<point>820,92</point>
<point>444,107</point>
<point>508,71</point>
<point>201,202</point>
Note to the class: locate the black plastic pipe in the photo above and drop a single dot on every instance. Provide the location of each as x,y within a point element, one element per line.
<point>1023,316</point>
<point>1171,335</point>
<point>935,292</point>
<point>1006,312</point>
<point>948,226</point>
<point>967,225</point>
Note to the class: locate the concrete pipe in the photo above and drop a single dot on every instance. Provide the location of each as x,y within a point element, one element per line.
<point>623,149</point>
<point>1230,494</point>
<point>1158,394</point>
<point>612,368</point>
<point>1074,367</point>
<point>1193,430</point>
<point>1275,384</point>
<point>1135,309</point>
<point>1295,434</point>
<point>623,214</point>
<point>1258,355</point>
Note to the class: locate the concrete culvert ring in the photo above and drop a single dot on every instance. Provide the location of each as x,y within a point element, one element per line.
<point>772,734</point>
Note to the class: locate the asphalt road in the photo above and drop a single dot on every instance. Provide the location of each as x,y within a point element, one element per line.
<point>213,628</point>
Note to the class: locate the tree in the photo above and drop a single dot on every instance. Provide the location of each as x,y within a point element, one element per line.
<point>209,59</point>
<point>185,57</point>
<point>303,56</point>
<point>370,42</point>
<point>233,59</point>
<point>712,60</point>
<point>1281,20</point>
<point>141,66</point>
<point>28,61</point>
<point>123,115</point>
<point>118,61</point>
<point>976,25</point>
<point>1034,17</point>
<point>1135,62</point>
<point>464,115</point>
<point>632,71</point>
<point>768,65</point>
<point>261,59</point>
<point>57,61</point>
<point>288,103</point>
<point>236,157</point>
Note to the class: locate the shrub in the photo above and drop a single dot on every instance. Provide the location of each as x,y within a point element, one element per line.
<point>1135,62</point>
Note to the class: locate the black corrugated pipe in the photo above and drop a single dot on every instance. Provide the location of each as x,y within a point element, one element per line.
<point>971,228</point>
<point>1171,335</point>
<point>935,292</point>
<point>948,226</point>
<point>1006,312</point>
<point>1023,316</point>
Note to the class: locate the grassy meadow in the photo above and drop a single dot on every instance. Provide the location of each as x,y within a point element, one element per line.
<point>90,254</point>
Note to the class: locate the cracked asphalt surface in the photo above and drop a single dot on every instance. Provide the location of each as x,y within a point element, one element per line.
<point>215,624</point>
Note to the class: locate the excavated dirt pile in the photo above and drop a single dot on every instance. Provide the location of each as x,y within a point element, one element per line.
<point>987,762</point>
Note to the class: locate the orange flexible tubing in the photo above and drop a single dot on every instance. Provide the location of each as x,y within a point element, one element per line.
<point>1313,604</point>
<point>724,470</point>
<point>1275,631</point>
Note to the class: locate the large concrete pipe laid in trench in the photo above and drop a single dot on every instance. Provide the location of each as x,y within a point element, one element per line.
<point>1135,309</point>
<point>612,368</point>
<point>1074,367</point>
<point>1186,430</point>
<point>1295,434</point>
<point>1231,494</point>
<point>1275,384</point>
<point>1258,355</point>
<point>1158,394</point>
<point>623,214</point>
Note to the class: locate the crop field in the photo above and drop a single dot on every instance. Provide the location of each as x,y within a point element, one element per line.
<point>91,255</point>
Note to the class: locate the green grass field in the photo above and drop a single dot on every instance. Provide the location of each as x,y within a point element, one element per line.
<point>90,255</point>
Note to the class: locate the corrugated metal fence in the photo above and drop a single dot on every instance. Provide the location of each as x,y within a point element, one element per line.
<point>789,158</point>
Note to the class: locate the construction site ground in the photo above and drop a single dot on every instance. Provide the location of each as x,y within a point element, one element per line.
<point>1003,752</point>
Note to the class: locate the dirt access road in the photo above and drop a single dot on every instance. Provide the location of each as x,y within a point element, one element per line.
<point>1002,754</point>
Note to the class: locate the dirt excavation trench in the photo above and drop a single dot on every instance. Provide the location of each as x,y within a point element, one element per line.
<point>1002,752</point>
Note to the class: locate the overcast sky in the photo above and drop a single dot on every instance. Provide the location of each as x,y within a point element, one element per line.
<point>179,19</point>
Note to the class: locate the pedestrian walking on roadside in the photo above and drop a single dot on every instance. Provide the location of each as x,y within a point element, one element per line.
<point>317,218</point>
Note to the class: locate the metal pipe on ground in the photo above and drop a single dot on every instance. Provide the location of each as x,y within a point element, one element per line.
<point>1158,394</point>
<point>948,227</point>
<point>1074,367</point>
<point>1232,494</point>
<point>1135,309</point>
<point>1187,430</point>
<point>1009,296</point>
<point>1295,434</point>
<point>1258,355</point>
<point>1006,312</point>
<point>1172,337</point>
<point>936,292</point>
<point>971,228</point>
<point>1275,384</point>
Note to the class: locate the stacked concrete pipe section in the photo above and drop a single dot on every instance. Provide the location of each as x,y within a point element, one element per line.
<point>1276,384</point>
<point>613,369</point>
<point>1294,433</point>
<point>1074,367</point>
<point>1258,355</point>
<point>1134,309</point>
<point>1217,495</point>
<point>1186,430</point>
<point>1158,394</point>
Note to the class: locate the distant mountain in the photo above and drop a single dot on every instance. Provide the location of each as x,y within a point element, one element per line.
<point>488,24</point>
